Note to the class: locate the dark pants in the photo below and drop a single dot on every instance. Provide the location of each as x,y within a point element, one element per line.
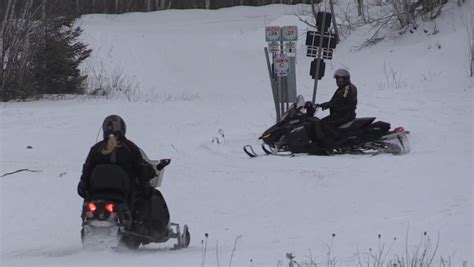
<point>320,132</point>
<point>337,120</point>
<point>325,132</point>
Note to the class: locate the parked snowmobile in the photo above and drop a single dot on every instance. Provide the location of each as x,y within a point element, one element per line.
<point>107,220</point>
<point>293,134</point>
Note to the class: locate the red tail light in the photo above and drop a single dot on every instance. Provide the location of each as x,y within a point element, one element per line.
<point>91,207</point>
<point>110,207</point>
<point>399,129</point>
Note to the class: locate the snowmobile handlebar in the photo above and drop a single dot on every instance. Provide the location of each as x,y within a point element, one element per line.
<point>162,164</point>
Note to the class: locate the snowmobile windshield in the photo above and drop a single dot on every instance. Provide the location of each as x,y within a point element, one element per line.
<point>294,108</point>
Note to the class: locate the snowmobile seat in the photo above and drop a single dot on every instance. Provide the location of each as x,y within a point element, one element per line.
<point>110,182</point>
<point>357,123</point>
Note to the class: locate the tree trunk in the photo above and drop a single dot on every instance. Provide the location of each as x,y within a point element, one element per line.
<point>208,4</point>
<point>43,10</point>
<point>336,30</point>
<point>93,6</point>
<point>162,4</point>
<point>3,45</point>
<point>117,3</point>
<point>472,50</point>
<point>105,7</point>
<point>148,5</point>
<point>360,9</point>
<point>15,50</point>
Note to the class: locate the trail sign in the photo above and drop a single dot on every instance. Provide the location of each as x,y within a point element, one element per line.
<point>282,71</point>
<point>327,17</point>
<point>289,33</point>
<point>313,38</point>
<point>282,65</point>
<point>274,47</point>
<point>322,68</point>
<point>312,51</point>
<point>290,49</point>
<point>272,33</point>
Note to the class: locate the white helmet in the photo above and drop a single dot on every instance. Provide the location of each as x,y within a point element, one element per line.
<point>342,73</point>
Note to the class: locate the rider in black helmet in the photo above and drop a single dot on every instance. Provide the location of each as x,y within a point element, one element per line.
<point>115,148</point>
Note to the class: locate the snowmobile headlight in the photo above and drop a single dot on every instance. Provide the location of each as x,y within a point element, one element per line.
<point>267,135</point>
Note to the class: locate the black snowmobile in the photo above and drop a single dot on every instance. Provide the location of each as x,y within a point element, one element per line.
<point>296,133</point>
<point>107,215</point>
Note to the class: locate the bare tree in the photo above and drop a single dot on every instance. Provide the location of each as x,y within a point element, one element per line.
<point>15,49</point>
<point>148,5</point>
<point>105,6</point>
<point>471,47</point>
<point>78,7</point>
<point>43,9</point>
<point>360,9</point>
<point>117,7</point>
<point>336,30</point>
<point>163,4</point>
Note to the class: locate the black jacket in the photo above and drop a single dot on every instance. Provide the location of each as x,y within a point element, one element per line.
<point>127,155</point>
<point>343,103</point>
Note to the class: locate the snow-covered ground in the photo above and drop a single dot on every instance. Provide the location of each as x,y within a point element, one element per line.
<point>202,77</point>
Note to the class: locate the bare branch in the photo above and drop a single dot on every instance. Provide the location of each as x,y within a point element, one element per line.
<point>20,170</point>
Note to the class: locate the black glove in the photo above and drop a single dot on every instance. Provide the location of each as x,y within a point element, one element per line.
<point>308,104</point>
<point>324,106</point>
<point>310,108</point>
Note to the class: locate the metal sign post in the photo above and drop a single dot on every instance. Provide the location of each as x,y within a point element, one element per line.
<point>318,65</point>
<point>323,50</point>
<point>273,37</point>
<point>282,66</point>
<point>289,38</point>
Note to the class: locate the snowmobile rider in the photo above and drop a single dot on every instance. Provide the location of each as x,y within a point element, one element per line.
<point>115,148</point>
<point>343,103</point>
<point>342,108</point>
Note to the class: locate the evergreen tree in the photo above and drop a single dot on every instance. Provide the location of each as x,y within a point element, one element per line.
<point>58,57</point>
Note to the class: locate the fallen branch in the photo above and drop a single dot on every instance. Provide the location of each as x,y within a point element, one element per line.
<point>21,170</point>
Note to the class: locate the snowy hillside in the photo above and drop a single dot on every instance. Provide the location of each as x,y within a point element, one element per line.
<point>202,77</point>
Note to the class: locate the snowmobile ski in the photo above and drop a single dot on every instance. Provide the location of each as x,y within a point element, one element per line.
<point>268,151</point>
<point>248,149</point>
<point>182,238</point>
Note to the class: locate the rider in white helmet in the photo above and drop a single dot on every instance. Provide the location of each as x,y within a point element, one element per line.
<point>342,108</point>
<point>343,103</point>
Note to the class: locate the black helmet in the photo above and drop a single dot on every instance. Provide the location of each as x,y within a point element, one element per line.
<point>114,124</point>
<point>342,73</point>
